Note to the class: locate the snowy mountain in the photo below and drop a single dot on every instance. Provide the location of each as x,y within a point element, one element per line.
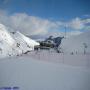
<point>14,43</point>
<point>24,43</point>
<point>77,44</point>
<point>6,42</point>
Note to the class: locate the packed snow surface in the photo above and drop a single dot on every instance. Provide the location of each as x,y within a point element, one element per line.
<point>30,74</point>
<point>78,60</point>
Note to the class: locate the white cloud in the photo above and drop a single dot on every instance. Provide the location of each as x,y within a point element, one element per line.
<point>79,23</point>
<point>76,24</point>
<point>31,25</point>
<point>67,34</point>
<point>85,21</point>
<point>72,33</point>
<point>28,24</point>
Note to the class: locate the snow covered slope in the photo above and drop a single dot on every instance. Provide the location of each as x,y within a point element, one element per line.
<point>76,44</point>
<point>5,35</point>
<point>24,43</point>
<point>6,42</point>
<point>14,43</point>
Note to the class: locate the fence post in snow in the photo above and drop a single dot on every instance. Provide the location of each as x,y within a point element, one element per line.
<point>63,58</point>
<point>85,47</point>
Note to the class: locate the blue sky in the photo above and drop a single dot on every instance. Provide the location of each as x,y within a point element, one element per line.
<point>46,16</point>
<point>53,9</point>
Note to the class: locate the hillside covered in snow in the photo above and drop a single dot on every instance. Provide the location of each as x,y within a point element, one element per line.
<point>78,44</point>
<point>14,43</point>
